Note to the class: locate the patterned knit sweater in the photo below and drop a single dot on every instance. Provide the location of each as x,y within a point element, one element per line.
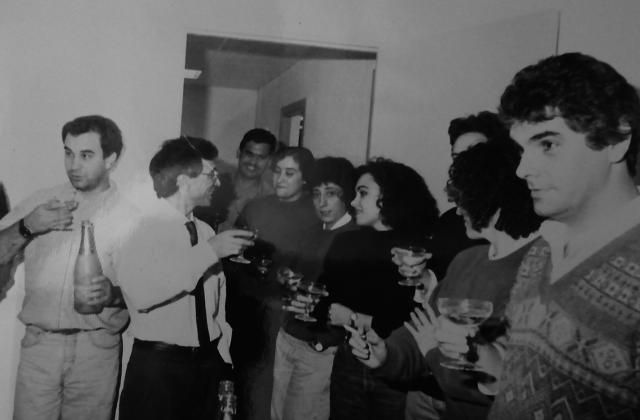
<point>574,345</point>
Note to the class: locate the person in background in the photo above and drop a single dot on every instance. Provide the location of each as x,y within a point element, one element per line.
<point>69,362</point>
<point>282,220</point>
<point>249,181</point>
<point>304,350</point>
<point>574,310</point>
<point>450,238</point>
<point>393,207</point>
<point>174,287</point>
<point>495,205</point>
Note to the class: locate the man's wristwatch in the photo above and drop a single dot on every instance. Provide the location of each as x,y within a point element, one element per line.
<point>24,231</point>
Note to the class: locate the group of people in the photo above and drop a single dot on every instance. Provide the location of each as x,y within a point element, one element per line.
<point>545,229</point>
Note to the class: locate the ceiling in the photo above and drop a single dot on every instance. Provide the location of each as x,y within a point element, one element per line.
<point>248,64</point>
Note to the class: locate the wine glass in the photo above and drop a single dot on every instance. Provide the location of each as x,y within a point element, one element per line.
<point>466,312</point>
<point>314,292</point>
<point>263,264</point>
<point>252,236</point>
<point>411,255</point>
<point>290,279</point>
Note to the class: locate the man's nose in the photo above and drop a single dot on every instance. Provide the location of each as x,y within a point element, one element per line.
<point>524,168</point>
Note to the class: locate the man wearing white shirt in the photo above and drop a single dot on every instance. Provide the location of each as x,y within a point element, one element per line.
<point>574,311</point>
<point>69,362</point>
<point>174,288</point>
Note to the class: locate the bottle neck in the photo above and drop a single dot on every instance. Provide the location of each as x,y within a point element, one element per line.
<point>87,240</point>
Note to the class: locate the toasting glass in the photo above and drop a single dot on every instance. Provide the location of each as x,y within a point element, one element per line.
<point>466,312</point>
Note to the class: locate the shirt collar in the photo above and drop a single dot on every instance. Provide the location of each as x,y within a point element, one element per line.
<point>346,218</point>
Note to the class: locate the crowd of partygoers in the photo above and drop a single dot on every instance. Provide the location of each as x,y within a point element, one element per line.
<point>325,290</point>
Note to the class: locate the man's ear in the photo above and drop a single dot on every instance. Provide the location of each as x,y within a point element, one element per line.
<point>110,161</point>
<point>618,151</point>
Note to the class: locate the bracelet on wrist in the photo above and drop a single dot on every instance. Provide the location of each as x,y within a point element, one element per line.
<point>24,231</point>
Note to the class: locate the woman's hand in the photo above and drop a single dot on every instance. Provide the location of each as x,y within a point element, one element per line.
<point>453,338</point>
<point>423,328</point>
<point>339,314</point>
<point>369,348</point>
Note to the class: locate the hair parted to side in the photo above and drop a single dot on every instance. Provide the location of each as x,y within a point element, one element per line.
<point>178,156</point>
<point>591,96</point>
<point>484,122</point>
<point>260,136</point>
<point>483,181</point>
<point>405,202</point>
<point>110,135</point>
<point>337,170</point>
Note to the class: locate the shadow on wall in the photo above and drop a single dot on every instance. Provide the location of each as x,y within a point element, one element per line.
<point>5,269</point>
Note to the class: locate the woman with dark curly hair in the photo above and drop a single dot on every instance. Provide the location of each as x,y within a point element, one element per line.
<point>393,206</point>
<point>496,205</point>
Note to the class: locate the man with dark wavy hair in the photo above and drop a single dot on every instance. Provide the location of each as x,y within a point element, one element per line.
<point>572,350</point>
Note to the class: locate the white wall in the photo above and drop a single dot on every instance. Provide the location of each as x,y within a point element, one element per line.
<point>338,97</point>
<point>221,115</point>
<point>125,58</point>
<point>230,114</point>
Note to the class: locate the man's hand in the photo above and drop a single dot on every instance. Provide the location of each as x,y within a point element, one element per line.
<point>99,292</point>
<point>423,328</point>
<point>371,350</point>
<point>230,242</point>
<point>52,215</point>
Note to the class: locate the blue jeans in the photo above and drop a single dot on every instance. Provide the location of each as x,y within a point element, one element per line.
<point>356,394</point>
<point>72,376</point>
<point>301,378</point>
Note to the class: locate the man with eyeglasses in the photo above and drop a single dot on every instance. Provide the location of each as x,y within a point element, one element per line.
<point>175,290</point>
<point>254,156</point>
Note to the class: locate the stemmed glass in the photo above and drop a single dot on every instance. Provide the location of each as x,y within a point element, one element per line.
<point>240,258</point>
<point>313,292</point>
<point>291,280</point>
<point>411,255</point>
<point>466,312</point>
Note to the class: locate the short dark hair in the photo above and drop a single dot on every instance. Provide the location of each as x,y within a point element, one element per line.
<point>591,96</point>
<point>178,156</point>
<point>337,170</point>
<point>110,135</point>
<point>259,135</point>
<point>302,156</point>
<point>483,180</point>
<point>405,202</point>
<point>484,122</point>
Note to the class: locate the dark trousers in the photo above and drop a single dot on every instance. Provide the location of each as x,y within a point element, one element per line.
<point>171,383</point>
<point>356,394</point>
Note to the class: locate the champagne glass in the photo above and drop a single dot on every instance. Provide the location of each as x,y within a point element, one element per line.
<point>411,255</point>
<point>67,204</point>
<point>314,292</point>
<point>252,236</point>
<point>263,264</point>
<point>466,312</point>
<point>290,279</point>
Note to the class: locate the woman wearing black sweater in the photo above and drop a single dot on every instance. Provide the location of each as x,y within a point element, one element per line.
<point>393,207</point>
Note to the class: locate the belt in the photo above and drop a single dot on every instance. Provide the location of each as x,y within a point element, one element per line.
<point>175,349</point>
<point>66,331</point>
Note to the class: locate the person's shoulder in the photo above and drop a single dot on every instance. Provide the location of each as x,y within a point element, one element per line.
<point>469,255</point>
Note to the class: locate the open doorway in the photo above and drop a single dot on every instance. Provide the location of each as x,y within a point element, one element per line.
<point>316,96</point>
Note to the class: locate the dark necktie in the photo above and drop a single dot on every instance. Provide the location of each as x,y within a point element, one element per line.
<point>198,293</point>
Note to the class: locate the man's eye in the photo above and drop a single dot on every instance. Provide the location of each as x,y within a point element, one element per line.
<point>547,145</point>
